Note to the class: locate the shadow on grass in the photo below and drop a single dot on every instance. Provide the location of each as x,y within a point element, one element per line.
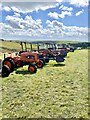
<point>58,65</point>
<point>23,72</point>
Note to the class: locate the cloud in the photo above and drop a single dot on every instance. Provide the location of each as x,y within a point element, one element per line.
<point>67,8</point>
<point>59,0</point>
<point>79,13</point>
<point>61,6</point>
<point>33,29</point>
<point>6,8</point>
<point>14,21</point>
<point>67,31</point>
<point>62,15</point>
<point>79,3</point>
<point>28,28</point>
<point>15,9</point>
<point>0,6</point>
<point>16,14</point>
<point>65,13</point>
<point>17,26</point>
<point>53,15</point>
<point>17,22</point>
<point>26,7</point>
<point>5,29</point>
<point>29,1</point>
<point>45,7</point>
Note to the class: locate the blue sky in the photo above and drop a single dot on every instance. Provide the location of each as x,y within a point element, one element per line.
<point>44,20</point>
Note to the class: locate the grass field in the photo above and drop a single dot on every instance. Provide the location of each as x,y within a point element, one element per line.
<point>56,91</point>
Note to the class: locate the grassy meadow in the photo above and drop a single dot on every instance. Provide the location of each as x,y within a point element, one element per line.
<point>56,91</point>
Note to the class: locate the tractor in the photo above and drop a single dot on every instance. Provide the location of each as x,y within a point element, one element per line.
<point>44,54</point>
<point>26,58</point>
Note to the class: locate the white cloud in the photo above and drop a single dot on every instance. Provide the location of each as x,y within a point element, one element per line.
<point>67,31</point>
<point>28,23</point>
<point>53,15</point>
<point>80,2</point>
<point>0,6</point>
<point>26,7</point>
<point>14,21</point>
<point>59,0</point>
<point>67,8</point>
<point>15,9</point>
<point>6,8</point>
<point>16,14</point>
<point>62,15</point>
<point>61,6</point>
<point>65,13</point>
<point>5,29</point>
<point>34,30</point>
<point>79,13</point>
<point>30,28</point>
<point>29,1</point>
<point>44,7</point>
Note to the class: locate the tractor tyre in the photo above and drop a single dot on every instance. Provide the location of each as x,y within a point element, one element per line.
<point>19,64</point>
<point>43,60</point>
<point>5,71</point>
<point>40,64</point>
<point>47,60</point>
<point>59,58</point>
<point>32,68</point>
<point>10,63</point>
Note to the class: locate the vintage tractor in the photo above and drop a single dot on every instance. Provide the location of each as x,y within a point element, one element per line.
<point>52,55</point>
<point>44,54</point>
<point>26,58</point>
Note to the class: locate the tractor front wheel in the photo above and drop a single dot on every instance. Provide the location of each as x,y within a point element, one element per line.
<point>40,64</point>
<point>43,60</point>
<point>10,63</point>
<point>5,71</point>
<point>47,60</point>
<point>32,68</point>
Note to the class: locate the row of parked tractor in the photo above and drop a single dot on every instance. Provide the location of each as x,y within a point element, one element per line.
<point>33,58</point>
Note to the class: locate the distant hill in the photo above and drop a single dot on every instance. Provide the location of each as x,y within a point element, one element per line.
<point>7,46</point>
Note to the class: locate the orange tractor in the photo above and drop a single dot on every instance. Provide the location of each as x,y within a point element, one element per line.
<point>26,58</point>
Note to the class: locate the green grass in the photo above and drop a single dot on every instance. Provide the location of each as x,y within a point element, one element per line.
<point>56,91</point>
<point>11,46</point>
<point>7,46</point>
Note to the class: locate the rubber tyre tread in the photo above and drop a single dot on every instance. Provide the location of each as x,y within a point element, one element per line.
<point>12,63</point>
<point>41,63</point>
<point>5,71</point>
<point>35,69</point>
<point>43,60</point>
<point>47,60</point>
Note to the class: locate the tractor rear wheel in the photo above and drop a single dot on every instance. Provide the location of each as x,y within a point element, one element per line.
<point>10,63</point>
<point>5,71</point>
<point>32,68</point>
<point>40,64</point>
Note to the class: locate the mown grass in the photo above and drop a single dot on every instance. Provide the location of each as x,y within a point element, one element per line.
<point>7,46</point>
<point>56,91</point>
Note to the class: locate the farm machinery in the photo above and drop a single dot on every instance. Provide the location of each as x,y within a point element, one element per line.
<point>26,58</point>
<point>46,53</point>
<point>34,58</point>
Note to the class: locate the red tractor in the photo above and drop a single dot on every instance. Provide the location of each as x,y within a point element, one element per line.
<point>44,54</point>
<point>26,58</point>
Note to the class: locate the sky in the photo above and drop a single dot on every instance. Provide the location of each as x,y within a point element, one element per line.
<point>56,20</point>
